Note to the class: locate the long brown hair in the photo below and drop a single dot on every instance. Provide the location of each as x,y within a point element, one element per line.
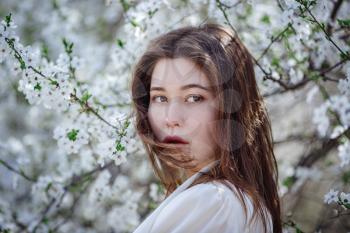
<point>243,131</point>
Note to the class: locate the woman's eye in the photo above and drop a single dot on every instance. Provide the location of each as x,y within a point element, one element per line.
<point>192,98</point>
<point>197,98</point>
<point>155,97</point>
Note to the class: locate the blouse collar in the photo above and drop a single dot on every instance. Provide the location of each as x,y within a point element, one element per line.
<point>147,224</point>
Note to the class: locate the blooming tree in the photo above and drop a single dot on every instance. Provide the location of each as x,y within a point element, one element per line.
<point>70,160</point>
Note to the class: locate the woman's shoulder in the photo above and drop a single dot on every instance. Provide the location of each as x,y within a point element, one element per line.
<point>209,193</point>
<point>219,189</point>
<point>223,198</point>
<point>205,207</point>
<point>217,196</point>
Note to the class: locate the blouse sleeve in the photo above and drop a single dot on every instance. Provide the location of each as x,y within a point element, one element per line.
<point>204,208</point>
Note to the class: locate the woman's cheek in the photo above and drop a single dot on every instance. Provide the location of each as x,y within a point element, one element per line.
<point>154,119</point>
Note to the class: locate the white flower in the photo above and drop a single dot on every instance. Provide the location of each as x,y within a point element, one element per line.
<point>121,182</point>
<point>31,85</point>
<point>154,193</point>
<point>101,188</point>
<point>303,29</point>
<point>339,129</point>
<point>292,4</point>
<point>70,139</point>
<point>338,102</point>
<point>108,2</point>
<point>321,50</point>
<point>150,5</point>
<point>341,104</point>
<point>30,56</point>
<point>57,97</point>
<point>125,217</point>
<point>344,84</point>
<point>46,188</point>
<point>39,89</point>
<point>77,62</point>
<point>287,17</point>
<point>15,67</point>
<point>305,173</point>
<point>344,153</point>
<point>119,157</point>
<point>63,62</point>
<point>105,150</point>
<point>11,25</point>
<point>310,95</point>
<point>323,9</point>
<point>345,198</point>
<point>295,75</point>
<point>331,196</point>
<point>321,119</point>
<point>4,50</point>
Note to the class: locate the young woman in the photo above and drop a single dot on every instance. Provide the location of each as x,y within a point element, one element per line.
<point>206,131</point>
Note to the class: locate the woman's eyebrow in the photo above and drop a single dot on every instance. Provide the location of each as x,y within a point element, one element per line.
<point>188,86</point>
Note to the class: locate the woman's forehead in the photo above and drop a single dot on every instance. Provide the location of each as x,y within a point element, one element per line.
<point>178,71</point>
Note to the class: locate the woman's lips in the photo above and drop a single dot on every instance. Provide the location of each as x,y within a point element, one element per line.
<point>175,139</point>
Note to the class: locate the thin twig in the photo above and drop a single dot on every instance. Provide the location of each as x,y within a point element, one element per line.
<point>328,36</point>
<point>273,40</point>
<point>21,173</point>
<point>74,181</point>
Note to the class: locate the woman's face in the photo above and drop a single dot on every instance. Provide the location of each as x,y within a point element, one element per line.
<point>181,104</point>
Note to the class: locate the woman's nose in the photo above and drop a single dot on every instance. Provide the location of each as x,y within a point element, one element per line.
<point>172,123</point>
<point>174,114</point>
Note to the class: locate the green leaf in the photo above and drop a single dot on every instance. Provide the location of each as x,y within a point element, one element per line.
<point>346,177</point>
<point>345,55</point>
<point>344,22</point>
<point>314,76</point>
<point>80,184</point>
<point>306,3</point>
<point>71,47</point>
<point>86,96</point>
<point>55,4</point>
<point>152,205</point>
<point>288,32</point>
<point>322,25</point>
<point>265,19</point>
<point>22,172</point>
<point>75,188</point>
<point>288,181</point>
<point>120,147</point>
<point>329,163</point>
<point>4,230</point>
<point>125,5</point>
<point>68,47</point>
<point>134,23</point>
<point>127,124</point>
<point>37,87</point>
<point>275,62</point>
<point>23,64</point>
<point>120,43</point>
<point>54,83</point>
<point>151,13</point>
<point>8,19</point>
<point>160,188</point>
<point>48,187</point>
<point>45,220</point>
<point>45,51</point>
<point>72,135</point>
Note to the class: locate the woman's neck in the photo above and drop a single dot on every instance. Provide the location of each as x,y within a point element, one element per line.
<point>191,172</point>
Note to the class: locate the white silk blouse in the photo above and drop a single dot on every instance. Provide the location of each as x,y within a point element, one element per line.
<point>203,208</point>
